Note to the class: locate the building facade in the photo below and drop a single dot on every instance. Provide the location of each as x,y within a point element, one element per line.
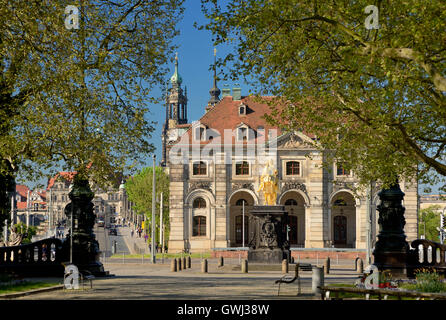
<point>215,165</point>
<point>111,204</point>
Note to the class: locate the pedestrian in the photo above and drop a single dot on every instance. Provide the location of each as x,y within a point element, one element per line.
<point>131,233</point>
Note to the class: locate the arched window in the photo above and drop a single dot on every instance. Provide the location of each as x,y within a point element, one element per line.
<point>340,203</point>
<point>242,168</point>
<point>291,202</point>
<point>240,202</point>
<point>292,168</point>
<point>199,168</point>
<point>199,203</point>
<point>199,226</point>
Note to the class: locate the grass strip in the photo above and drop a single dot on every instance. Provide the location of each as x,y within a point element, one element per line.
<point>24,286</point>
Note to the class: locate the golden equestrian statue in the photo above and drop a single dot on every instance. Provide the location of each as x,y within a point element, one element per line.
<point>269,183</point>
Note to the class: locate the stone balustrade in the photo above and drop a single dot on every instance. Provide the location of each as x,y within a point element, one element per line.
<point>427,254</point>
<point>44,257</point>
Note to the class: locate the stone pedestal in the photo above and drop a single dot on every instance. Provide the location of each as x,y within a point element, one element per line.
<point>391,249</point>
<point>269,243</point>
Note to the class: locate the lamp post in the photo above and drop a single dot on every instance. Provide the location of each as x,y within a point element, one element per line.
<point>243,223</point>
<point>153,253</point>
<point>442,225</point>
<point>71,227</point>
<point>161,223</point>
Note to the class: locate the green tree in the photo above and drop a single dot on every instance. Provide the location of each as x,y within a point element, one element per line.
<point>139,190</point>
<point>77,99</point>
<point>376,97</point>
<point>429,222</point>
<point>28,232</point>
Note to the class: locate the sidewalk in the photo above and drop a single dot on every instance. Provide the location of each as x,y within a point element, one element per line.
<point>136,281</point>
<point>135,244</point>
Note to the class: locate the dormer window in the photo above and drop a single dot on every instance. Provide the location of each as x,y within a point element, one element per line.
<point>200,133</point>
<point>242,110</point>
<point>243,133</point>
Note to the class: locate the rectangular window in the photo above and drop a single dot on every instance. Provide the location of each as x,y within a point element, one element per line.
<point>292,168</point>
<point>199,168</point>
<point>242,168</point>
<point>341,171</point>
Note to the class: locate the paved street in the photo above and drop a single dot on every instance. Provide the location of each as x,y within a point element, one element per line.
<point>136,281</point>
<point>139,279</point>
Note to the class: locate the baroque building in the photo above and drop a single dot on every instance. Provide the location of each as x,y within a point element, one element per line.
<point>111,204</point>
<point>215,165</point>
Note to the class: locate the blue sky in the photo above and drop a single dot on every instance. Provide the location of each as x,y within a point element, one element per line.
<point>195,58</point>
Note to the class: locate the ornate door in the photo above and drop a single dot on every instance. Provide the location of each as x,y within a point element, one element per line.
<point>340,230</point>
<point>293,230</point>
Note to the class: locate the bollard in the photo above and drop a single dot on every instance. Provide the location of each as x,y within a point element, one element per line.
<point>317,280</point>
<point>327,265</point>
<point>189,262</point>
<point>220,261</point>
<point>173,265</point>
<point>244,266</point>
<point>285,266</point>
<point>204,266</point>
<point>184,263</point>
<point>179,264</point>
<point>359,265</point>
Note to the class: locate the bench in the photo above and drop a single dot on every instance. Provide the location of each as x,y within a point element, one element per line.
<point>286,279</point>
<point>87,276</point>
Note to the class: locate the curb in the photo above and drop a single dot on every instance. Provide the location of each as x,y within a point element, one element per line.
<point>25,293</point>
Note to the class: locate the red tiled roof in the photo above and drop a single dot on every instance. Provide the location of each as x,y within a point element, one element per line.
<point>21,205</point>
<point>22,190</point>
<point>225,115</point>
<point>64,175</point>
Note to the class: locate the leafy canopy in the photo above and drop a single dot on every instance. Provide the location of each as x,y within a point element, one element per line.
<point>78,98</point>
<point>139,191</point>
<point>375,97</point>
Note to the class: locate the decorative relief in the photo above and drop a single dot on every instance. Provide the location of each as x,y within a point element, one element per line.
<point>200,185</point>
<point>293,185</point>
<point>242,185</point>
<point>339,185</point>
<point>292,141</point>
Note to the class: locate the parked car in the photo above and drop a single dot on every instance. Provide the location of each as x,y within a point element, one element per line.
<point>101,223</point>
<point>113,232</point>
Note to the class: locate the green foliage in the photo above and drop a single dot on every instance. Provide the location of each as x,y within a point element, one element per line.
<point>429,281</point>
<point>73,99</point>
<point>139,190</point>
<point>28,232</point>
<point>429,220</point>
<point>376,98</point>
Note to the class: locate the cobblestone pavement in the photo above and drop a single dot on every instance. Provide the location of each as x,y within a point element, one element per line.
<point>145,281</point>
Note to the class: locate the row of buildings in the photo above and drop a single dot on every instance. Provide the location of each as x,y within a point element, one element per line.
<point>46,207</point>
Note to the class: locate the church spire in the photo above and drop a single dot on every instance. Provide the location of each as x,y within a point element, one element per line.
<point>215,91</point>
<point>176,78</point>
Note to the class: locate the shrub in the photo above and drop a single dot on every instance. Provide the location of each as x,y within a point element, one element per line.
<point>429,281</point>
